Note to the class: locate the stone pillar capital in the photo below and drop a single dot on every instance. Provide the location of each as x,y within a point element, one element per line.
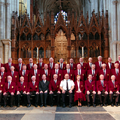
<point>6,41</point>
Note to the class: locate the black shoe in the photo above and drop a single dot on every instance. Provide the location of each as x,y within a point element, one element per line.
<point>58,105</point>
<point>88,105</point>
<point>105,105</point>
<point>18,105</point>
<point>36,105</point>
<point>116,104</point>
<point>11,105</point>
<point>4,105</point>
<point>29,105</point>
<point>112,105</point>
<point>45,105</point>
<point>63,105</point>
<point>70,105</point>
<point>94,105</point>
<point>101,105</point>
<point>41,105</point>
<point>51,105</point>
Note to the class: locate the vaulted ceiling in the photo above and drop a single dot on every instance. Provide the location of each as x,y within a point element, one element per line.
<point>48,5</point>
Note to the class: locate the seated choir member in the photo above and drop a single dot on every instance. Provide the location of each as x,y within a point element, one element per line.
<point>35,72</point>
<point>40,64</point>
<point>102,89</point>
<point>13,74</point>
<point>43,89</point>
<point>93,72</point>
<point>113,89</point>
<point>54,88</point>
<point>3,75</point>
<point>72,65</point>
<point>67,87</point>
<point>62,66</point>
<point>57,71</point>
<point>79,91</point>
<point>9,89</point>
<point>1,89</point>
<point>47,72</point>
<point>25,74</point>
<point>69,71</point>
<point>19,65</point>
<point>33,89</point>
<point>51,65</point>
<point>21,90</point>
<point>90,90</point>
<point>30,65</point>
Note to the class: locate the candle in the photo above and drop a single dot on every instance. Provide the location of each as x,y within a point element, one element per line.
<point>83,52</point>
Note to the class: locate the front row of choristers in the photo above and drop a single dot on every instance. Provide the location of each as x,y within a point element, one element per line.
<point>44,89</point>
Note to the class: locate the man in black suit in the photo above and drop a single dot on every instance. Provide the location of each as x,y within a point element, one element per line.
<point>43,88</point>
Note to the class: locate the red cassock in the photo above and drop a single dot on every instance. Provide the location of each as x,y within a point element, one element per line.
<point>107,76</point>
<point>95,76</point>
<point>22,87</point>
<point>83,74</point>
<point>113,72</point>
<point>7,68</point>
<point>79,95</point>
<point>4,77</point>
<point>97,65</point>
<point>112,87</point>
<point>17,68</point>
<point>100,87</point>
<point>15,77</point>
<point>53,67</point>
<point>108,67</point>
<point>40,67</point>
<point>89,86</point>
<point>63,67</point>
<point>74,67</point>
<point>53,86</point>
<point>38,75</point>
<point>12,87</point>
<point>32,88</point>
<point>71,74</point>
<point>48,76</point>
<point>28,67</point>
<point>2,86</point>
<point>60,74</point>
<point>26,76</point>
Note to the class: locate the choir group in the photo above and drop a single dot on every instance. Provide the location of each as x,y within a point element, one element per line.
<point>84,81</point>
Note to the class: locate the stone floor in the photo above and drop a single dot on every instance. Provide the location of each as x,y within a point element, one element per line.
<point>59,113</point>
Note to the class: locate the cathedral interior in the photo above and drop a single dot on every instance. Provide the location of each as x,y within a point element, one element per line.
<point>59,29</point>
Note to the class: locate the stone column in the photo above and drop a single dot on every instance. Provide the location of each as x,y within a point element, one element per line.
<point>6,49</point>
<point>1,27</point>
<point>17,6</point>
<point>114,31</point>
<point>8,23</point>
